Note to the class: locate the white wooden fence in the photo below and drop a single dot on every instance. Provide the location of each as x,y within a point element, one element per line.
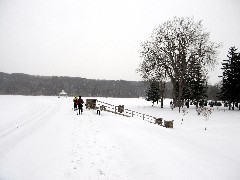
<point>126,112</point>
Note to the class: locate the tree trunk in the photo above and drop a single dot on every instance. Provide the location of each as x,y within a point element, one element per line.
<point>162,89</point>
<point>174,93</point>
<point>180,93</point>
<point>187,103</point>
<point>162,102</point>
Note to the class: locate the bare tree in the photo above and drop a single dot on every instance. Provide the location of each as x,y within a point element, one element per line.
<point>174,48</point>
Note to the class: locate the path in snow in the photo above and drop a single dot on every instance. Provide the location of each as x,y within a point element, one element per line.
<point>52,142</point>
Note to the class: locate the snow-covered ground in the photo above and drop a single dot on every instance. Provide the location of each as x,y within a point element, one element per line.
<point>42,138</point>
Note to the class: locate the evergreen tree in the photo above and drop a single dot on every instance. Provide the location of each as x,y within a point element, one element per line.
<point>153,93</point>
<point>195,86</point>
<point>231,79</point>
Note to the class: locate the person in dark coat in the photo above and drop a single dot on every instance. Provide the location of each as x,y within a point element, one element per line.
<point>75,103</point>
<point>80,105</point>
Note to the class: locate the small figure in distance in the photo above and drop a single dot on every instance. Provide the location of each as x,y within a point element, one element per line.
<point>171,105</point>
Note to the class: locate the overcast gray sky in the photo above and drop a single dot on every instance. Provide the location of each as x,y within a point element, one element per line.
<point>100,39</point>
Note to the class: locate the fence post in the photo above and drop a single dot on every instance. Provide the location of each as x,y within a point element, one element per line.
<point>143,116</point>
<point>132,113</point>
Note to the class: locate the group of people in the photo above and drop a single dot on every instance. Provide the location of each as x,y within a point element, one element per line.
<point>78,104</point>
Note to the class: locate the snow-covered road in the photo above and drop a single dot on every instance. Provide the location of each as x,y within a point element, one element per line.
<point>43,138</point>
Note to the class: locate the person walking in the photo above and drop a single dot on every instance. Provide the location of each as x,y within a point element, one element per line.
<point>80,103</point>
<point>75,100</point>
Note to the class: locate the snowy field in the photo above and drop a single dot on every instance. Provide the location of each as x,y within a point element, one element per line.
<point>42,138</point>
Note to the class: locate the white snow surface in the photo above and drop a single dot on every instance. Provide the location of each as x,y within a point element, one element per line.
<point>42,138</point>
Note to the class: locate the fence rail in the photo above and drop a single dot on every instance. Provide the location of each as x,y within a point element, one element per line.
<point>120,110</point>
<point>126,112</point>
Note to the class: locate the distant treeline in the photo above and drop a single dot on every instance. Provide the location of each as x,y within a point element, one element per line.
<point>23,84</point>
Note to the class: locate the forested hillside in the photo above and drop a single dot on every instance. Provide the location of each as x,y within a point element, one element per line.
<point>23,84</point>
